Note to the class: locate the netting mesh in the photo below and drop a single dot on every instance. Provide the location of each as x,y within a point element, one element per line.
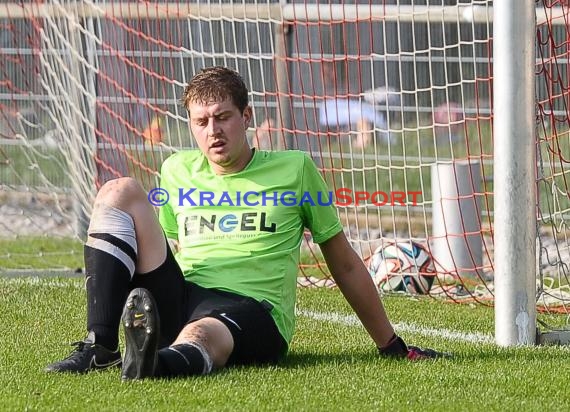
<point>552,148</point>
<point>384,97</point>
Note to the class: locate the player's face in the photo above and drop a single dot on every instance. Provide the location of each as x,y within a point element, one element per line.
<point>220,132</point>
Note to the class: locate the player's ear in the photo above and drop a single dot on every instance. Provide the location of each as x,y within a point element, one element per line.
<point>247,116</point>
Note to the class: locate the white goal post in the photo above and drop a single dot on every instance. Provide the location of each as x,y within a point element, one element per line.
<point>515,164</point>
<point>277,12</point>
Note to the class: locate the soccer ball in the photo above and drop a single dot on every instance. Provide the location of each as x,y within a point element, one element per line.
<point>404,266</point>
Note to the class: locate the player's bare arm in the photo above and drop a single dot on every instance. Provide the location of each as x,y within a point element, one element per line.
<point>355,283</point>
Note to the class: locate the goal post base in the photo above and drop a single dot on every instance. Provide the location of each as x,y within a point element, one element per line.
<point>553,337</point>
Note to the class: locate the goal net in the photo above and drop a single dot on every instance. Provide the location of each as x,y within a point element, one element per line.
<point>553,121</point>
<point>393,101</point>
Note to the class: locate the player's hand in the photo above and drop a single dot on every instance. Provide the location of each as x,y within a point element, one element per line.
<point>397,348</point>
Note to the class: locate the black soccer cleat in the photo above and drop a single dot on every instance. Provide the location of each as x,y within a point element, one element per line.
<point>415,353</point>
<point>142,331</point>
<point>87,356</point>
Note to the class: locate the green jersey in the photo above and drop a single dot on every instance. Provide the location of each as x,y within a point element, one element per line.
<point>242,232</point>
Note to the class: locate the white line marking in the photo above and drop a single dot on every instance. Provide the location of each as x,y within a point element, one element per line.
<point>347,320</point>
<point>352,320</point>
<point>43,282</point>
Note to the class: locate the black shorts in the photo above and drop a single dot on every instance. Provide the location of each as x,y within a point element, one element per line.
<point>179,302</point>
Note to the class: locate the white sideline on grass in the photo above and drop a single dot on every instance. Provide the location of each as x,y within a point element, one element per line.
<point>347,320</point>
<point>352,320</point>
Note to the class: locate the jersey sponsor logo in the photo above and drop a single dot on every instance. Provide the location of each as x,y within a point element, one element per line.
<point>230,222</point>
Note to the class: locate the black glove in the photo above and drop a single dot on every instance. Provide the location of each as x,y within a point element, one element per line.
<point>397,348</point>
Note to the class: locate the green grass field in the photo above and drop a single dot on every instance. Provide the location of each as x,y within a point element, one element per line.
<point>40,253</point>
<point>332,365</point>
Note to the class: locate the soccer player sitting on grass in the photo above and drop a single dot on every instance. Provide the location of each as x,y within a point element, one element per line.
<point>229,295</point>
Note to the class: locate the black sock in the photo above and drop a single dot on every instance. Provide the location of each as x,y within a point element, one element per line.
<point>183,360</point>
<point>110,261</point>
<point>107,283</point>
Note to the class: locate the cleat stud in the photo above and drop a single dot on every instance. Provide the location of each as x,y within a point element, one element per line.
<point>130,305</point>
<point>148,331</point>
<point>147,307</point>
<point>127,324</point>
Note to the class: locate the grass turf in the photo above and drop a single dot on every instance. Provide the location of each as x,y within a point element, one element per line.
<point>40,252</point>
<point>331,366</point>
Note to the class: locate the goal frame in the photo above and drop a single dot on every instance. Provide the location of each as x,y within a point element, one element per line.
<point>514,156</point>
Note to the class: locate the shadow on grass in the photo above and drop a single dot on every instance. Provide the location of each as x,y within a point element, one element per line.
<point>299,359</point>
<point>489,353</point>
<point>296,359</point>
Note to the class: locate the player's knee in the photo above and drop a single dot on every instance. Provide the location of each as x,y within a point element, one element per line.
<point>121,184</point>
<point>213,335</point>
<point>121,192</point>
